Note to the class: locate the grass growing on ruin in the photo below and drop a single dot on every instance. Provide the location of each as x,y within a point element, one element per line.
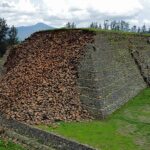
<point>126,129</point>
<point>117,32</point>
<point>100,31</point>
<point>8,145</point>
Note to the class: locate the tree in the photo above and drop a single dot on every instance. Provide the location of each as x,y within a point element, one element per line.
<point>100,26</point>
<point>113,25</point>
<point>8,36</point>
<point>94,25</point>
<point>3,35</point>
<point>139,30</point>
<point>106,25</point>
<point>119,25</point>
<point>149,30</point>
<point>3,29</point>
<point>73,25</point>
<point>124,26</point>
<point>12,33</point>
<point>134,29</point>
<point>70,25</point>
<point>144,28</point>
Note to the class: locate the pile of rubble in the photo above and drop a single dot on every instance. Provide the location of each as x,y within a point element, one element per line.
<point>40,83</point>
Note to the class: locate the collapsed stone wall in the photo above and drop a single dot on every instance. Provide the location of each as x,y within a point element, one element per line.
<point>109,75</point>
<point>39,84</point>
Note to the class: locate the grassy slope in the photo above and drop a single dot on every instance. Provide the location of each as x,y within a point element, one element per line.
<point>8,145</point>
<point>126,129</point>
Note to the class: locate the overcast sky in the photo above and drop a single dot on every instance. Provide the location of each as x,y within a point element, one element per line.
<point>58,12</point>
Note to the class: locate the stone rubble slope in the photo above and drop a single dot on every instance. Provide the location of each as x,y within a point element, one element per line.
<point>40,83</point>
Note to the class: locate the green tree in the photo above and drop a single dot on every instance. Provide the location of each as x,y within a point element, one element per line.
<point>70,25</point>
<point>124,26</point>
<point>94,25</point>
<point>149,30</point>
<point>144,28</point>
<point>106,24</point>
<point>73,25</point>
<point>134,29</point>
<point>3,35</point>
<point>113,25</point>
<point>100,26</point>
<point>12,33</point>
<point>139,30</point>
<point>8,36</point>
<point>119,25</point>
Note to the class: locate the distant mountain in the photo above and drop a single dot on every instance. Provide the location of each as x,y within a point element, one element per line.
<point>26,31</point>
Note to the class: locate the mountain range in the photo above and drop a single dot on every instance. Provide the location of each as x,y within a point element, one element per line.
<point>25,31</point>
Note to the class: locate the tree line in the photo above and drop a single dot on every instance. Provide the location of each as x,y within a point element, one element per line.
<point>8,36</point>
<point>115,25</point>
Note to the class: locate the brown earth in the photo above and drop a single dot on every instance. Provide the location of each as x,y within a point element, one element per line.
<point>40,83</point>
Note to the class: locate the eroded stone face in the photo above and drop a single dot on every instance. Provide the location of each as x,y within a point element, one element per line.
<point>110,75</point>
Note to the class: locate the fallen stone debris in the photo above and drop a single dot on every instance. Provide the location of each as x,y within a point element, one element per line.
<point>40,82</point>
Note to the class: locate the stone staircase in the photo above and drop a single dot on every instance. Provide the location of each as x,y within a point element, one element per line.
<point>28,143</point>
<point>37,139</point>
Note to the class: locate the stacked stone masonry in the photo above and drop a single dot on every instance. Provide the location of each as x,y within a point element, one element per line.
<point>111,74</point>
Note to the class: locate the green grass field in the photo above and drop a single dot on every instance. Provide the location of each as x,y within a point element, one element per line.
<point>8,145</point>
<point>126,129</point>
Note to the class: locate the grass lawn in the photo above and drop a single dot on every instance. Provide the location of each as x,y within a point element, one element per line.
<point>8,145</point>
<point>126,129</point>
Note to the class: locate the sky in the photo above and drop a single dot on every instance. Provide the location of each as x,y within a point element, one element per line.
<point>57,13</point>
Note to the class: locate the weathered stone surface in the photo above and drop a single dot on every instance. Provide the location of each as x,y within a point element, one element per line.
<point>115,77</point>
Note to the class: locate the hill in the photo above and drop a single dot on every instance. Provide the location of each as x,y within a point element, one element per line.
<point>25,31</point>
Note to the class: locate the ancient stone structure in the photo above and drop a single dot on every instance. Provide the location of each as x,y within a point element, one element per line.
<point>115,68</point>
<point>73,75</point>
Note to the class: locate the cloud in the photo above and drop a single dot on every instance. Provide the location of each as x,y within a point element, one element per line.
<point>5,5</point>
<point>82,12</point>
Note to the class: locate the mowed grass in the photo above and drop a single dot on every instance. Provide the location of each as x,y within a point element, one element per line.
<point>126,129</point>
<point>8,145</point>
